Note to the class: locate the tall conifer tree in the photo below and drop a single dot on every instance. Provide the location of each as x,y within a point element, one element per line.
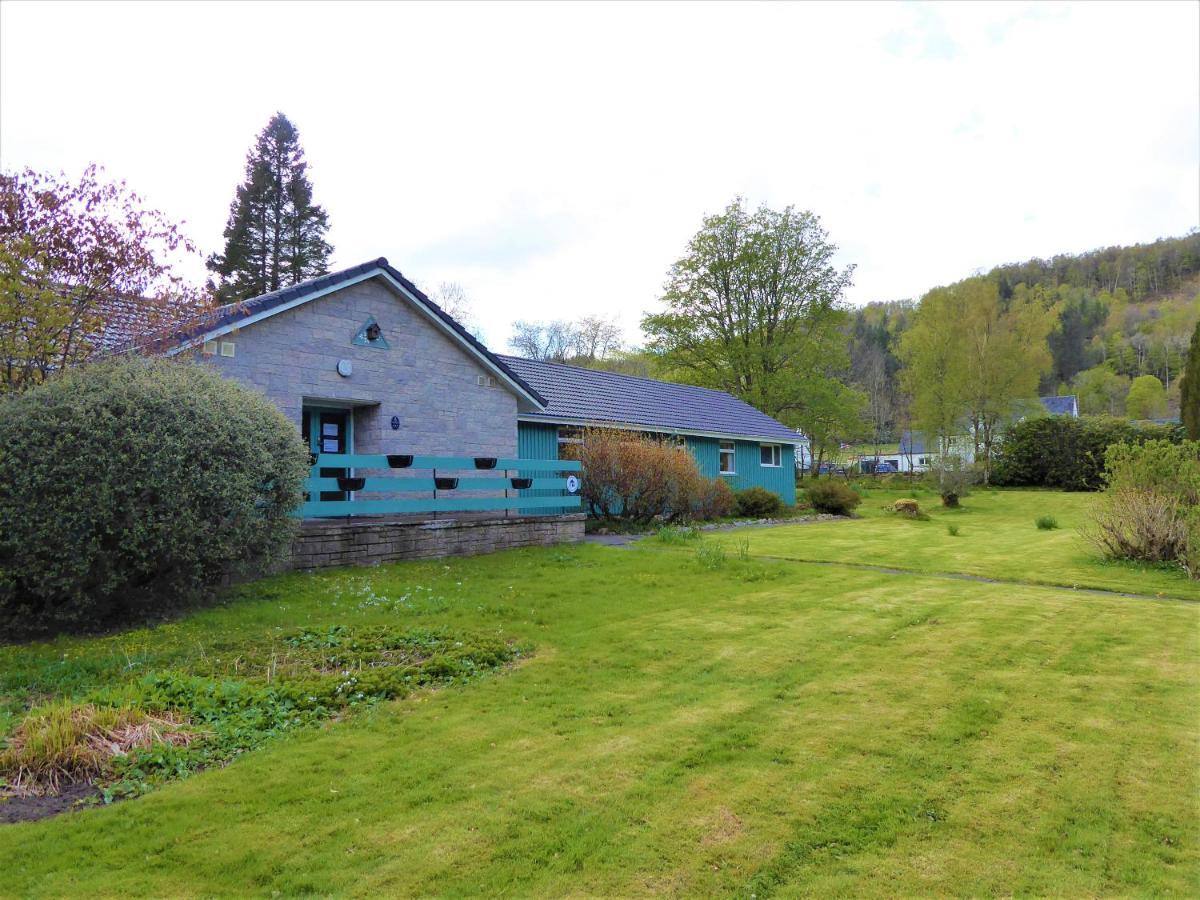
<point>275,236</point>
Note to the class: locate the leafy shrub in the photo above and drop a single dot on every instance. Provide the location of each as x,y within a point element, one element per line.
<point>714,500</point>
<point>907,507</point>
<point>129,486</point>
<point>952,530</point>
<point>1066,452</point>
<point>635,477</point>
<point>1151,508</point>
<point>758,503</point>
<point>834,497</point>
<point>1046,523</point>
<point>952,479</point>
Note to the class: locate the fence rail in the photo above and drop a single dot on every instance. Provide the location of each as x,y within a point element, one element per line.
<point>504,481</point>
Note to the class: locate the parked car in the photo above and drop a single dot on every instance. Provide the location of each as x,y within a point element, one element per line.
<point>829,469</point>
<point>886,468</point>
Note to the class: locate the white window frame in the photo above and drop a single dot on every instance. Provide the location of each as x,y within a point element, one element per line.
<point>723,448</point>
<point>776,454</point>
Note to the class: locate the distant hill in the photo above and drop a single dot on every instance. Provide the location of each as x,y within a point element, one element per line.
<point>1143,271</point>
<point>1125,310</point>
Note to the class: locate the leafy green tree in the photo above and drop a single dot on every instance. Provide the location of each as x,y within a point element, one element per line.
<point>1147,398</point>
<point>932,353</point>
<point>972,358</point>
<point>1189,389</point>
<point>1101,391</point>
<point>755,308</point>
<point>275,236</point>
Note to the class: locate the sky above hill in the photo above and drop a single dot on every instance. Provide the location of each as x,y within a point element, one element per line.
<point>554,159</point>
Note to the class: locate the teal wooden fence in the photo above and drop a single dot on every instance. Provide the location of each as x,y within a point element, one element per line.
<point>438,484</point>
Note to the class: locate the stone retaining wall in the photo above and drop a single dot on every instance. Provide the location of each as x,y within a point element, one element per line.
<point>355,542</point>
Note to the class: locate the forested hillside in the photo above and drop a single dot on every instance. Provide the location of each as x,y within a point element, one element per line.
<point>1122,312</point>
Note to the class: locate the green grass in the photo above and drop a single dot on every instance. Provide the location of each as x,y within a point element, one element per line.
<point>997,539</point>
<point>687,725</point>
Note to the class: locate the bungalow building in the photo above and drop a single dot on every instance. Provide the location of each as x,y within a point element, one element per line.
<point>364,363</point>
<point>728,437</point>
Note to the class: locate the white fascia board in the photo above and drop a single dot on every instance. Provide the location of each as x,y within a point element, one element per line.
<point>661,429</point>
<point>399,288</point>
<point>267,313</point>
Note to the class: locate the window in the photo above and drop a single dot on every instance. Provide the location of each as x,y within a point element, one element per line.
<point>768,455</point>
<point>727,458</point>
<point>210,348</point>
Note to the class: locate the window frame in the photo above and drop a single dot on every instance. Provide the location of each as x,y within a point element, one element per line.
<point>776,455</point>
<point>721,452</point>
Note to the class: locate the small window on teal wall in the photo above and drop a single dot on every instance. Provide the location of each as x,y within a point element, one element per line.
<point>370,335</point>
<point>727,455</point>
<point>769,455</point>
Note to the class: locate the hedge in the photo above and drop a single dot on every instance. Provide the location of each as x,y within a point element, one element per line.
<point>1067,453</point>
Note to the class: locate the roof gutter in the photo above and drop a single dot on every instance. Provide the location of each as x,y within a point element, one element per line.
<point>688,432</point>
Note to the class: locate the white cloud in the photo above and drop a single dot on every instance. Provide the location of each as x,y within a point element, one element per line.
<point>556,158</point>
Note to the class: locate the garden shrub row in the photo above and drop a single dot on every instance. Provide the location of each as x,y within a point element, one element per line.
<point>1068,453</point>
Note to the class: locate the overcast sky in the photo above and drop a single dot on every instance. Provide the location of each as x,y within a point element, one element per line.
<point>554,159</point>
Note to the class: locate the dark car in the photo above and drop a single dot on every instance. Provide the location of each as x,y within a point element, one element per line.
<point>886,468</point>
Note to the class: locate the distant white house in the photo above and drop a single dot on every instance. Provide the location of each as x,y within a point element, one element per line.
<point>917,455</point>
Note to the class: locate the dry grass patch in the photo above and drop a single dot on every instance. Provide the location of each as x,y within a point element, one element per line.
<point>66,743</point>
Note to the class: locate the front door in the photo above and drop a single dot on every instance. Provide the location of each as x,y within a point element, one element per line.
<point>328,431</point>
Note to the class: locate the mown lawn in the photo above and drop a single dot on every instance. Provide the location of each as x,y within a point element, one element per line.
<point>997,538</point>
<point>761,727</point>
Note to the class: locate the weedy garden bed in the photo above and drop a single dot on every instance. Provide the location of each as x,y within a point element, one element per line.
<point>123,740</point>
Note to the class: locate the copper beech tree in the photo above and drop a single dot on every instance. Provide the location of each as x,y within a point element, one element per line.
<point>84,266</point>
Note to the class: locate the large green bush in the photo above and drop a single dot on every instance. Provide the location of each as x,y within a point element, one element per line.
<point>829,496</point>
<point>1066,452</point>
<point>758,503</point>
<point>128,487</point>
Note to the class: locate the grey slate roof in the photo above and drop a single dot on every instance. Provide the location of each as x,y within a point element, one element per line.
<point>231,313</point>
<point>575,394</point>
<point>1061,406</point>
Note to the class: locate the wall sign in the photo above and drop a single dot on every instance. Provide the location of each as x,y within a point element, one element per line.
<point>395,423</point>
<point>572,484</point>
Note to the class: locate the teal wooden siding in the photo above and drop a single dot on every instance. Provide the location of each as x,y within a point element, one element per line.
<point>538,441</point>
<point>747,461</point>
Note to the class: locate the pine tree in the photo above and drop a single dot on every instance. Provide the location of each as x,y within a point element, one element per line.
<point>1189,389</point>
<point>275,236</point>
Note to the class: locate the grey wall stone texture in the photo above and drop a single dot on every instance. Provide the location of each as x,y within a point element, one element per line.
<point>426,378</point>
<point>324,543</point>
